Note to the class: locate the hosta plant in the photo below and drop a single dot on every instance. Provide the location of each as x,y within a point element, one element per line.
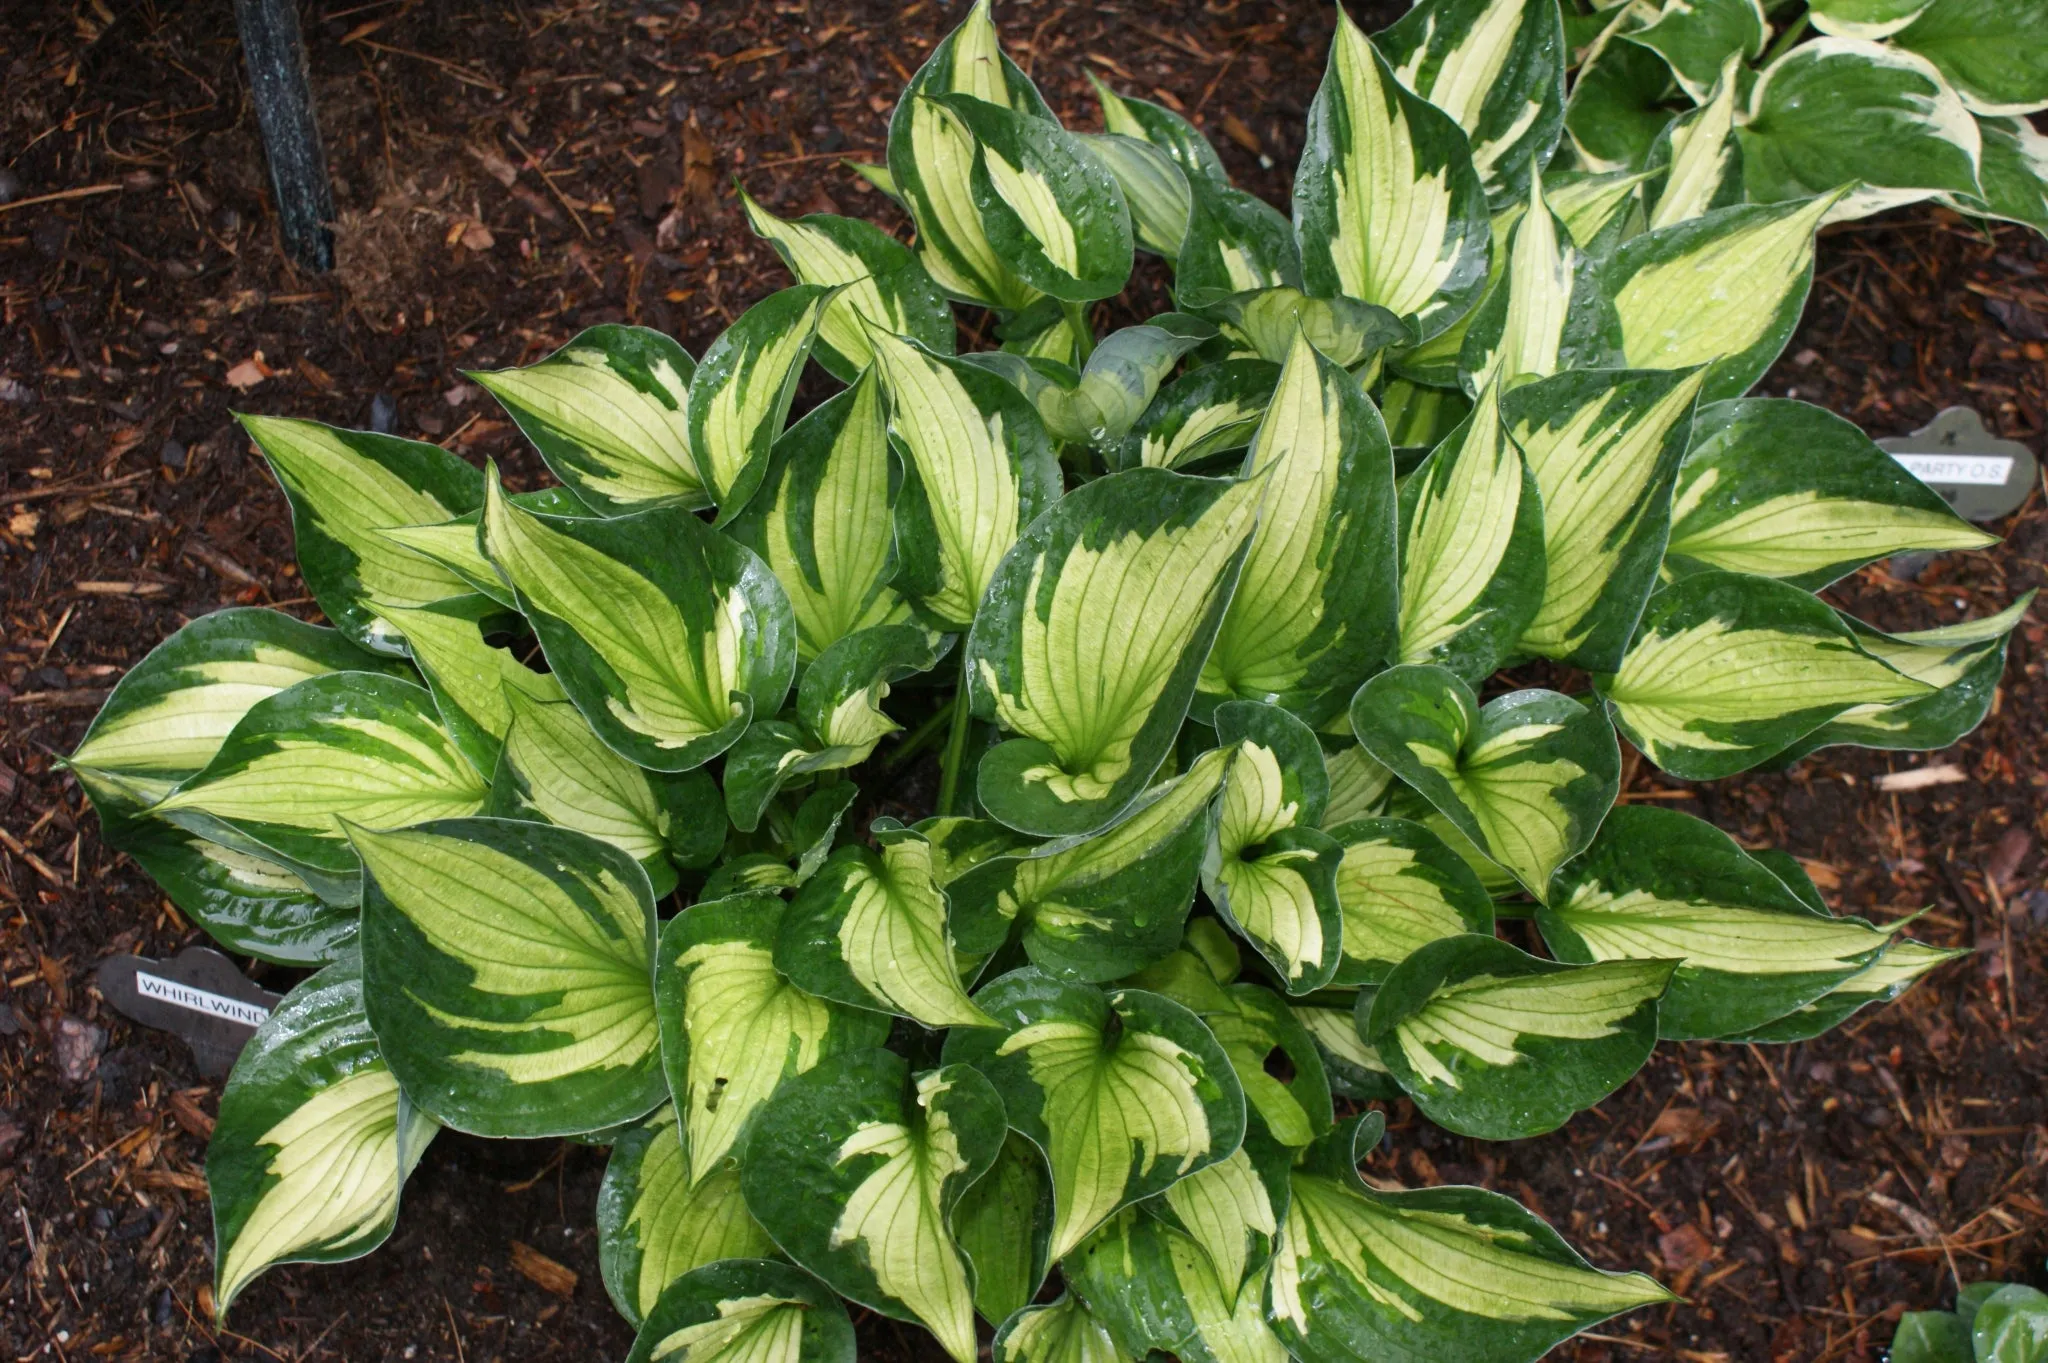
<point>1993,1323</point>
<point>576,805</point>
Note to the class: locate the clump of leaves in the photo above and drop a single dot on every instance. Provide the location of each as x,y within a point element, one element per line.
<point>1200,616</point>
<point>1992,1323</point>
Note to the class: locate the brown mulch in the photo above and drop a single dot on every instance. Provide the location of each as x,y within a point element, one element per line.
<point>508,175</point>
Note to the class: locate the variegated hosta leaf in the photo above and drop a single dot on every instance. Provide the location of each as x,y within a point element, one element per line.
<point>358,746</point>
<point>1897,968</point>
<point>1435,361</point>
<point>1254,1025</point>
<point>1418,417</point>
<point>1387,204</point>
<point>1405,802</point>
<point>1472,557</point>
<point>314,1140</point>
<point>1604,447</point>
<point>1091,638</point>
<point>653,1226</point>
<point>1594,205</point>
<point>1661,885</point>
<point>1206,411</point>
<point>1353,1068</point>
<point>740,395</point>
<point>822,521</point>
<point>1723,290</point>
<point>978,468</point>
<point>1235,243</point>
<point>816,823</point>
<point>345,488</point>
<point>1269,870</point>
<point>749,873</point>
<point>1996,55</point>
<point>1620,101</point>
<point>732,1027</point>
<point>555,769</point>
<point>507,970</point>
<point>1841,111</point>
<point>457,546</point>
<point>1359,784</point>
<point>1125,1092</point>
<point>746,1311</point>
<point>1963,662</point>
<point>2014,173</point>
<point>1497,66</point>
<point>1317,605</point>
<point>1181,140</point>
<point>1527,779</point>
<point>668,636</point>
<point>1728,670</point>
<point>1742,505</point>
<point>1266,322</point>
<point>471,680</point>
<point>1153,187</point>
<point>1004,1226</point>
<point>1420,1277</point>
<point>1400,889</point>
<point>880,279</point>
<point>1098,406</point>
<point>1864,18</point>
<point>1049,209</point>
<point>1696,165</point>
<point>1157,1290</point>
<point>1063,1331</point>
<point>869,929</point>
<point>1546,315</point>
<point>961,844</point>
<point>608,411</point>
<point>1698,37</point>
<point>169,715</point>
<point>1497,1044</point>
<point>856,1166</point>
<point>1092,907</point>
<point>932,161</point>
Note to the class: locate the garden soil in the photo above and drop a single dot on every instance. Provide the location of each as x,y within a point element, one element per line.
<point>507,174</point>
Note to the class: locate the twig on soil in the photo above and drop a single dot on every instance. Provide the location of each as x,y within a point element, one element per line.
<point>83,191</point>
<point>461,73</point>
<point>538,165</point>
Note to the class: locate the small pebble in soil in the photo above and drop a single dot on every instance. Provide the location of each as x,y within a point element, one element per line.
<point>102,1219</point>
<point>172,455</point>
<point>78,1049</point>
<point>166,1309</point>
<point>1877,1118</point>
<point>1902,355</point>
<point>10,186</point>
<point>383,413</point>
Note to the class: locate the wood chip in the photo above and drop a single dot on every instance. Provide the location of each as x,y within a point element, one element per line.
<point>79,697</point>
<point>185,1110</point>
<point>1920,778</point>
<point>542,1271</point>
<point>202,552</point>
<point>1684,1248</point>
<point>120,588</point>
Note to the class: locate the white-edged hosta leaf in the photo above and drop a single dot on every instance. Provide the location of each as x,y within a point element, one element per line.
<point>875,174</point>
<point>1062,1331</point>
<point>358,746</point>
<point>1050,210</point>
<point>1527,779</point>
<point>345,488</point>
<point>1497,1044</point>
<point>978,468</point>
<point>1405,802</point>
<point>732,1027</point>
<point>1096,906</point>
<point>1418,417</point>
<point>457,546</point>
<point>668,636</point>
<point>746,1311</point>
<point>1387,204</point>
<point>1472,550</point>
<point>1436,360</point>
<point>1698,37</point>
<point>1696,164</point>
<point>856,1166</point>
<point>553,768</point>
<point>1353,1068</point>
<point>1266,322</point>
<point>879,278</point>
<point>1661,885</point>
<point>1254,1026</point>
<point>471,679</point>
<point>1788,490</point>
<point>1963,662</point>
<point>2013,172</point>
<point>1269,870</point>
<point>1994,53</point>
<point>740,395</point>
<point>507,968</point>
<point>1209,410</point>
<point>822,521</point>
<point>653,1226</point>
<point>1838,111</point>
<point>1317,606</point>
<point>1497,66</point>
<point>1618,105</point>
<point>608,413</point>
<point>1231,1210</point>
<point>748,873</point>
<point>1604,447</point>
<point>1043,331</point>
<point>1156,1290</point>
<point>1235,243</point>
<point>1545,316</point>
<point>1098,406</point>
<point>1091,637</point>
<point>1897,968</point>
<point>1728,670</point>
<point>314,1140</point>
<point>1864,18</point>
<point>932,161</point>
<point>1723,290</point>
<point>869,929</point>
<point>1400,889</point>
<point>1004,1226</point>
<point>1593,204</point>
<point>1359,783</point>
<point>1425,1276</point>
<point>1127,116</point>
<point>1154,188</point>
<point>1125,1092</point>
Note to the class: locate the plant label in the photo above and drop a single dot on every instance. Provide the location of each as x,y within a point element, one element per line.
<point>197,994</point>
<point>1982,476</point>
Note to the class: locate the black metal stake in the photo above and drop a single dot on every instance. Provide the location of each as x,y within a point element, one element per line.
<point>291,136</point>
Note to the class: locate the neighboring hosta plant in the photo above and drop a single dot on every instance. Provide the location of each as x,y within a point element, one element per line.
<point>1198,619</point>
